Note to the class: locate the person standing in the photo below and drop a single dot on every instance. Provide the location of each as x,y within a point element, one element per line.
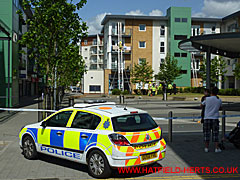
<point>174,89</point>
<point>211,123</point>
<point>206,94</point>
<point>153,90</point>
<point>170,88</point>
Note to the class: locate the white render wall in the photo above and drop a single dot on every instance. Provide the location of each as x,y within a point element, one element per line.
<point>157,39</point>
<point>93,77</point>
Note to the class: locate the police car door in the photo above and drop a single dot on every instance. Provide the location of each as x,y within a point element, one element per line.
<point>82,134</point>
<point>51,137</point>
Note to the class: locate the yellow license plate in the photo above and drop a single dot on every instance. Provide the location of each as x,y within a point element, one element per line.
<point>145,146</point>
<point>149,156</point>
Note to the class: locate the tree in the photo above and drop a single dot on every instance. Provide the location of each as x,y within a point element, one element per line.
<point>236,71</point>
<point>141,73</point>
<point>218,66</point>
<point>53,33</point>
<point>169,70</point>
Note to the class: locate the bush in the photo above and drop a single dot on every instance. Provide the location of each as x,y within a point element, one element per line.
<point>187,90</point>
<point>125,92</point>
<point>116,92</point>
<point>137,91</point>
<point>180,90</point>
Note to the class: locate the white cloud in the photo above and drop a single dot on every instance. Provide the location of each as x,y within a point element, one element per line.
<point>94,24</point>
<point>199,14</point>
<point>156,12</point>
<point>218,8</point>
<point>136,12</point>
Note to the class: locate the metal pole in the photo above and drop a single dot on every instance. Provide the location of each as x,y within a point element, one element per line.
<point>119,86</point>
<point>170,115</point>
<point>8,73</point>
<point>208,69</point>
<point>223,124</point>
<point>55,89</point>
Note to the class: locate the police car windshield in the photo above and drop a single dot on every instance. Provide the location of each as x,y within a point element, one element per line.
<point>133,123</point>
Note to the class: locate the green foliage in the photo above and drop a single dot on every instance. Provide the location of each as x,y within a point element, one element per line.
<point>236,71</point>
<point>116,92</point>
<point>218,66</point>
<point>53,34</point>
<point>141,73</point>
<point>169,71</point>
<point>229,91</point>
<point>181,90</point>
<point>125,92</point>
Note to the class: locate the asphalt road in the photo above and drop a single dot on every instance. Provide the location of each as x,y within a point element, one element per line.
<point>184,152</point>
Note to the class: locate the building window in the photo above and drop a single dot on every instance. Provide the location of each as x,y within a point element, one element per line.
<point>162,31</point>
<point>183,54</point>
<point>142,44</point>
<point>180,37</point>
<point>93,67</point>
<point>177,20</point>
<point>195,31</point>
<point>141,60</point>
<point>94,88</point>
<point>183,71</point>
<point>94,42</point>
<point>176,54</point>
<point>162,49</point>
<point>213,29</point>
<point>161,61</point>
<point>85,42</point>
<point>229,62</point>
<point>85,49</point>
<point>142,27</point>
<point>197,64</point>
<point>184,19</point>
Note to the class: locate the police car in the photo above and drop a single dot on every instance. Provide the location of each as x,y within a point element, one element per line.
<point>101,135</point>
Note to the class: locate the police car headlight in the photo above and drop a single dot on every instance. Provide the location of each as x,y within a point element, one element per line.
<point>118,139</point>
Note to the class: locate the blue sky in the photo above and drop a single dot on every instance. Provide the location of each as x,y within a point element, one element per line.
<point>94,11</point>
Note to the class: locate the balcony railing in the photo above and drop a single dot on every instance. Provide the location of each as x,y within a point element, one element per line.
<point>127,32</point>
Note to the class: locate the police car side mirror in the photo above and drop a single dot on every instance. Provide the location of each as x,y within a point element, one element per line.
<point>44,124</point>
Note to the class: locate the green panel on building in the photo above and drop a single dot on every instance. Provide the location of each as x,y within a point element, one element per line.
<point>9,21</point>
<point>179,29</point>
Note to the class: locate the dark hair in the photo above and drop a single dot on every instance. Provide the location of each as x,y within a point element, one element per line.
<point>215,91</point>
<point>207,90</point>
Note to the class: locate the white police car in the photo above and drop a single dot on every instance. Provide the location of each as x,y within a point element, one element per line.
<point>101,135</point>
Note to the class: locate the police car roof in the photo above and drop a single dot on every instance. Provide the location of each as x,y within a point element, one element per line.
<point>108,109</point>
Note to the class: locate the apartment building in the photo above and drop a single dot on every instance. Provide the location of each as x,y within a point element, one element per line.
<point>231,23</point>
<point>23,74</point>
<point>151,38</point>
<point>91,50</point>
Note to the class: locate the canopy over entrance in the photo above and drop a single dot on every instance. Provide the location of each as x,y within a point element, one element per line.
<point>223,44</point>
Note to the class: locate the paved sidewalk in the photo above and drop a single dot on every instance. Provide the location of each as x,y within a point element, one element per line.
<point>185,151</point>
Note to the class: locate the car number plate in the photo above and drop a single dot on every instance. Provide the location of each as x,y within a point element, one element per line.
<point>149,156</point>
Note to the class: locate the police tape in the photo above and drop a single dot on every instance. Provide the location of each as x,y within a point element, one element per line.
<point>155,118</point>
<point>190,117</point>
<point>26,110</point>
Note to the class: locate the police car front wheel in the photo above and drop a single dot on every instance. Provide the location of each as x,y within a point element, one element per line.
<point>98,165</point>
<point>29,148</point>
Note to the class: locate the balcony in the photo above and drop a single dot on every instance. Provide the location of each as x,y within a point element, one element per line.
<point>126,33</point>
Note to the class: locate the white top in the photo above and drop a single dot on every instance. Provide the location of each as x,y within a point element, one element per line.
<point>212,105</point>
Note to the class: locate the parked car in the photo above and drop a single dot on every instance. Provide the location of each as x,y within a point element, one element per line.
<point>101,135</point>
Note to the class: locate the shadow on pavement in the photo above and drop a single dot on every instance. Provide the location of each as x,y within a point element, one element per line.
<point>189,148</point>
<point>115,172</point>
<point>63,162</point>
